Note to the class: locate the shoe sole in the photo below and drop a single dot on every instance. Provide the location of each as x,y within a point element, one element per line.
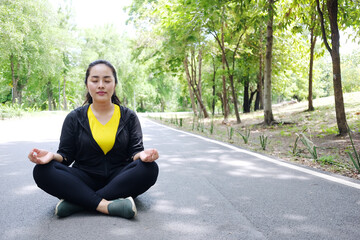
<point>133,205</point>
<point>57,205</point>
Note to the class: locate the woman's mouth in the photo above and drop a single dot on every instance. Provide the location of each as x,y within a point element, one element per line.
<point>101,93</point>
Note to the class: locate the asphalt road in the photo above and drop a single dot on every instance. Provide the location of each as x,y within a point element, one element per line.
<point>205,190</point>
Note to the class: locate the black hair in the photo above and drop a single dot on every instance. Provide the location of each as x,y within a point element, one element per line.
<point>114,98</point>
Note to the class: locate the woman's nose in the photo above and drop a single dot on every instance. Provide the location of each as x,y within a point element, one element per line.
<point>101,84</point>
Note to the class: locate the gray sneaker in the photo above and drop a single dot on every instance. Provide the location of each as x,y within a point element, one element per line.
<point>65,208</point>
<point>121,207</point>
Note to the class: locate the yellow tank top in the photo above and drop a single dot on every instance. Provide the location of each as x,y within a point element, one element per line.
<point>105,135</point>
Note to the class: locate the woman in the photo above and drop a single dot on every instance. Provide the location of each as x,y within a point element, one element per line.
<point>103,140</point>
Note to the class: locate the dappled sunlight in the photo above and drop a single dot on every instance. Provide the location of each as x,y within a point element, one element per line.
<point>204,160</point>
<point>20,232</point>
<point>184,228</point>
<point>166,206</point>
<point>215,151</point>
<point>123,231</point>
<point>156,194</point>
<point>16,173</point>
<point>205,190</point>
<point>26,190</point>
<point>203,198</point>
<point>261,173</point>
<point>231,163</point>
<point>176,160</point>
<point>305,228</point>
<point>295,217</point>
<point>239,163</point>
<point>288,177</point>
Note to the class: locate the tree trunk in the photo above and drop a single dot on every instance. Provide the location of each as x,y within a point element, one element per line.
<point>225,100</point>
<point>312,46</point>
<point>246,104</point>
<point>259,101</point>
<point>192,98</point>
<point>234,96</point>
<point>162,104</point>
<point>213,89</point>
<point>198,86</point>
<point>252,94</point>
<point>50,96</point>
<point>222,104</point>
<point>191,93</point>
<point>268,115</point>
<point>195,91</point>
<point>15,79</point>
<point>64,95</point>
<point>332,6</point>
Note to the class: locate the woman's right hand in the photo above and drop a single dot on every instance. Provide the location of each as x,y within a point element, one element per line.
<point>39,156</point>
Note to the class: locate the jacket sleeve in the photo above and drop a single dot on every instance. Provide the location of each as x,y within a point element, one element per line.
<point>135,135</point>
<point>67,146</point>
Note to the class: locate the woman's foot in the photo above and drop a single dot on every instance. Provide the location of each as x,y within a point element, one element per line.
<point>122,207</point>
<point>65,208</point>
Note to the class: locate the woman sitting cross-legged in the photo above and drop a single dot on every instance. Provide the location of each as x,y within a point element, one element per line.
<point>103,142</point>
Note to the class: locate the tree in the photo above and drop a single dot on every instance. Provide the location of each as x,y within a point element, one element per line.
<point>268,115</point>
<point>311,64</point>
<point>194,78</point>
<point>29,48</point>
<point>67,42</point>
<point>332,9</point>
<point>259,100</point>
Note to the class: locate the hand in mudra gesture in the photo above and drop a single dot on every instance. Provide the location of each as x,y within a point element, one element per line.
<point>39,156</point>
<point>149,155</point>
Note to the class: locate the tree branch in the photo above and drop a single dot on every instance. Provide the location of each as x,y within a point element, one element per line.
<point>323,27</point>
<point>236,48</point>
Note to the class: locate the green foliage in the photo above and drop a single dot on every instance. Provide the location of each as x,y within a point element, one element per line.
<point>328,160</point>
<point>294,150</point>
<point>200,124</point>
<point>284,133</point>
<point>307,143</point>
<point>245,136</point>
<point>330,130</point>
<point>49,54</point>
<point>354,157</point>
<point>10,111</point>
<point>264,141</point>
<point>212,126</point>
<point>230,132</point>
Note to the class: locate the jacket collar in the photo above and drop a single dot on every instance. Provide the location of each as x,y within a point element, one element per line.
<point>83,120</point>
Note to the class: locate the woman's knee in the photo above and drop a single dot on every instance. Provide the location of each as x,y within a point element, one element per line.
<point>152,171</point>
<point>42,171</point>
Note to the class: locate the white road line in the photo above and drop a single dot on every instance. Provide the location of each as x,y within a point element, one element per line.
<point>284,164</point>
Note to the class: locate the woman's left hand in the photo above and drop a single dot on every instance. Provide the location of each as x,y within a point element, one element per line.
<point>149,155</point>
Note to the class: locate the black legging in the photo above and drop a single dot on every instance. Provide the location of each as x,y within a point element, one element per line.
<point>79,187</point>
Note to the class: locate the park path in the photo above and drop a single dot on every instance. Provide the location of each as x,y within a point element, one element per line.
<point>205,190</point>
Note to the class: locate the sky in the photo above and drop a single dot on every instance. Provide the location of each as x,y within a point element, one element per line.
<point>90,13</point>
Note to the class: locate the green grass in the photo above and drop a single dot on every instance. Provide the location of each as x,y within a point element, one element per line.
<point>319,126</point>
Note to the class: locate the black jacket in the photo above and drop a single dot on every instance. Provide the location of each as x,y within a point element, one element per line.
<point>78,145</point>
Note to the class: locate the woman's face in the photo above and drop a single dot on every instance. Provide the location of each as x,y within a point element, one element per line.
<point>101,83</point>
